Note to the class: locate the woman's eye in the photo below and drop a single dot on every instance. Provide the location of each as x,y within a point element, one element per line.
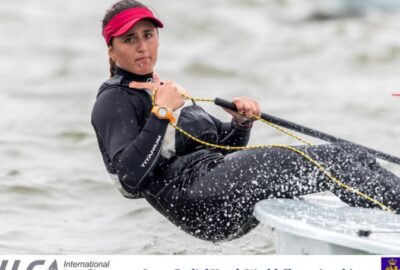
<point>148,35</point>
<point>129,40</point>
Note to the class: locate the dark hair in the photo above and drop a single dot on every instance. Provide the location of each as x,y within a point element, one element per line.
<point>111,12</point>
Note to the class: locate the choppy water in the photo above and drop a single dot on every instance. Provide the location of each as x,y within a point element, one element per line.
<point>55,196</point>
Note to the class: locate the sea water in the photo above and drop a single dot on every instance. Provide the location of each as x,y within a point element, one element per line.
<point>334,73</point>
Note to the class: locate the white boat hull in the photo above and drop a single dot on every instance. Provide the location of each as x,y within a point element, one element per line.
<point>324,225</point>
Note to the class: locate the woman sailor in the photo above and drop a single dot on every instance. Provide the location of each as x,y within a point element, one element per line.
<point>207,192</point>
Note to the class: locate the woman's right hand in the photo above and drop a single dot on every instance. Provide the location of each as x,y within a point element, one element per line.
<point>169,94</point>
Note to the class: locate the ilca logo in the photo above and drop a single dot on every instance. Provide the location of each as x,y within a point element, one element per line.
<point>389,264</point>
<point>34,265</point>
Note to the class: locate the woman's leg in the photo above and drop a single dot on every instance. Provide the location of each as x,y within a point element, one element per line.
<point>358,169</point>
<point>215,201</point>
<point>219,203</point>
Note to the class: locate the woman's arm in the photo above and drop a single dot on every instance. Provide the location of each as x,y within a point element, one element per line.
<point>237,132</point>
<point>133,152</point>
<point>231,133</point>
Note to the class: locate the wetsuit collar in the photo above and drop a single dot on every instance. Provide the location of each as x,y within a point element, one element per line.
<point>133,77</point>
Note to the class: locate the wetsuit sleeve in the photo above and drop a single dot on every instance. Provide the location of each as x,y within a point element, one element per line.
<point>133,152</point>
<point>231,133</point>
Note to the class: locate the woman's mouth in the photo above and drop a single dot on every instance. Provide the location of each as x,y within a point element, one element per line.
<point>143,61</point>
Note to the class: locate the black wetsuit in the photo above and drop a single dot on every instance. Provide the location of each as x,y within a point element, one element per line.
<point>211,193</point>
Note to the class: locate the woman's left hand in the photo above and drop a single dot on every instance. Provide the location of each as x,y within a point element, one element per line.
<point>246,110</point>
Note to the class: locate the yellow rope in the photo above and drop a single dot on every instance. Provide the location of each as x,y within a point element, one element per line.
<point>282,130</point>
<point>301,153</point>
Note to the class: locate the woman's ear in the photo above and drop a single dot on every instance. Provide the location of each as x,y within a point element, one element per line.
<point>111,53</point>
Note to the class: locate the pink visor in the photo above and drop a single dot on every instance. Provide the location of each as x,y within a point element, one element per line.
<point>125,20</point>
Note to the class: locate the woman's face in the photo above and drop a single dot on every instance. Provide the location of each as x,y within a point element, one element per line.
<point>137,50</point>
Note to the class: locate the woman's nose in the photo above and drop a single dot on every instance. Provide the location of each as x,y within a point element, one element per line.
<point>141,45</point>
